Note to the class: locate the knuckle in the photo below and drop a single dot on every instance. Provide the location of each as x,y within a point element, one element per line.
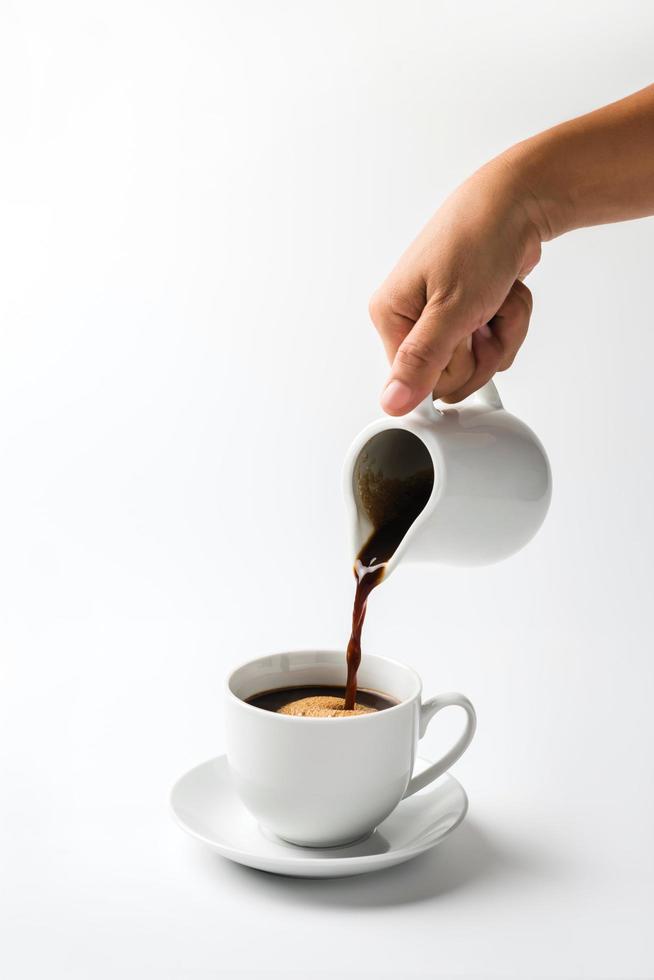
<point>507,359</point>
<point>454,309</point>
<point>446,292</point>
<point>414,354</point>
<point>378,307</point>
<point>522,295</point>
<point>396,300</point>
<point>383,313</point>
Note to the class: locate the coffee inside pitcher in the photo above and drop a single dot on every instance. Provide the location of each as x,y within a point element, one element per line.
<point>392,482</point>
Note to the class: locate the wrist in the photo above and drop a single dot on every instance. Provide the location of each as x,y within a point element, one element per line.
<point>535,178</point>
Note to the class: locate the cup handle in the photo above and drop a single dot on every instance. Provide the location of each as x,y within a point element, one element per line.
<point>427,712</point>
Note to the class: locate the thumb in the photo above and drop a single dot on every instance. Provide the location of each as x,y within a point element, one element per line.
<point>421,357</point>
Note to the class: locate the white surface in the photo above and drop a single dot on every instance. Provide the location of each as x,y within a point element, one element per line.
<point>197,200</point>
<point>206,805</point>
<point>321,782</point>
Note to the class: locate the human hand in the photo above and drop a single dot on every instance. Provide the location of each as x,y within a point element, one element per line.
<point>454,310</point>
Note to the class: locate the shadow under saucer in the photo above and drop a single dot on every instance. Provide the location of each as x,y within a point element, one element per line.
<point>471,856</point>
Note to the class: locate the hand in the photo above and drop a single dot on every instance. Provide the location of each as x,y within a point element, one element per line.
<point>454,310</point>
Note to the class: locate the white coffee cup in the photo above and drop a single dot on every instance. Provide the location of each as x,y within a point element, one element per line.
<point>321,782</point>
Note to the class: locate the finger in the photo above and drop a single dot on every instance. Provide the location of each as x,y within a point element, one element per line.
<point>511,322</point>
<point>458,371</point>
<point>424,354</point>
<point>487,353</point>
<point>495,345</point>
<point>392,328</point>
<point>394,312</point>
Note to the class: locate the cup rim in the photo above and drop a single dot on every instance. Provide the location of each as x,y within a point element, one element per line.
<point>302,719</point>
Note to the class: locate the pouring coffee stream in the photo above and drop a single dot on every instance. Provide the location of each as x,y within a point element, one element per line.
<point>394,492</point>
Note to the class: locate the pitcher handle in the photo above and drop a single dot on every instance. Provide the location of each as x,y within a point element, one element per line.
<point>487,397</point>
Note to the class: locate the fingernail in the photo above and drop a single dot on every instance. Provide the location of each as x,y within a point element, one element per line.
<point>396,397</point>
<point>469,342</point>
<point>485,330</point>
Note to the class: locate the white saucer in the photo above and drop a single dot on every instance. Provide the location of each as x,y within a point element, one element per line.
<point>205,805</point>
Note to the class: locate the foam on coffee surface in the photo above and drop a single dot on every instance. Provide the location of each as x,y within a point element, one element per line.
<point>322,706</point>
<point>320,701</point>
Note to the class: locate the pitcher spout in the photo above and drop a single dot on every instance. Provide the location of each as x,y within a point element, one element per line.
<point>389,481</point>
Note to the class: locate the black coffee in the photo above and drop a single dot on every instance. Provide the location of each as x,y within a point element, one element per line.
<point>394,476</point>
<point>319,701</point>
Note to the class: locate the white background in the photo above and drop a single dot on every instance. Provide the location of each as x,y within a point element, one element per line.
<point>197,200</point>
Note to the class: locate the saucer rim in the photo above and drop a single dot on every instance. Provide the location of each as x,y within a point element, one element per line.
<point>296,853</point>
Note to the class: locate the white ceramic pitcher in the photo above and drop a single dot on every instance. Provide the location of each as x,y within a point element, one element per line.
<point>492,480</point>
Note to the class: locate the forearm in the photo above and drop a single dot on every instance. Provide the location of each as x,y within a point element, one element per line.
<point>592,170</point>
